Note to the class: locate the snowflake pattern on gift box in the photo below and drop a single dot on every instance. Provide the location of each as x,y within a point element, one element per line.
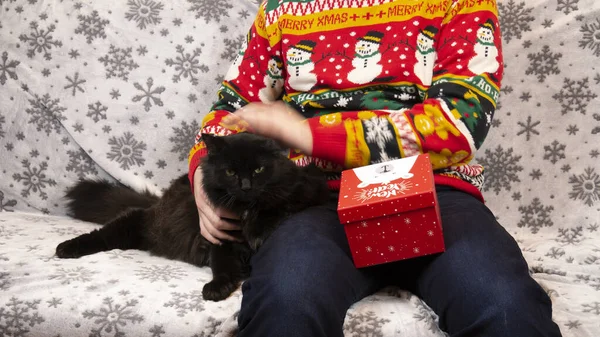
<point>112,317</point>
<point>17,316</point>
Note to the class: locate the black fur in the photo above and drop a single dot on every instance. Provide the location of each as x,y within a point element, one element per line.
<point>243,173</point>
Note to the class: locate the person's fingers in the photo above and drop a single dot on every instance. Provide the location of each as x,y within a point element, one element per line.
<point>224,213</point>
<point>212,226</point>
<point>224,225</point>
<point>205,232</point>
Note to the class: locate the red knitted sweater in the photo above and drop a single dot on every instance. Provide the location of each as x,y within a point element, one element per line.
<point>376,79</point>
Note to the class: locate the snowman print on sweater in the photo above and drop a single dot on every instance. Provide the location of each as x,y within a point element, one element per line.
<point>300,67</point>
<point>486,52</point>
<point>425,55</point>
<point>366,59</point>
<point>273,80</point>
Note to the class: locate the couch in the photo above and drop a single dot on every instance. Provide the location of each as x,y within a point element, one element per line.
<point>118,89</point>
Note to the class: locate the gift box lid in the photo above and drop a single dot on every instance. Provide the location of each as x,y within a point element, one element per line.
<point>386,188</point>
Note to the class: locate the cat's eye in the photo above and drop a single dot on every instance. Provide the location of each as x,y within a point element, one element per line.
<point>259,170</point>
<point>230,173</point>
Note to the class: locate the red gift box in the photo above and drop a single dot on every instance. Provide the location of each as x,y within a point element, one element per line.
<point>390,211</point>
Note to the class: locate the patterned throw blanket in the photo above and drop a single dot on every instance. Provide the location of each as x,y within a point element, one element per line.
<point>117,89</point>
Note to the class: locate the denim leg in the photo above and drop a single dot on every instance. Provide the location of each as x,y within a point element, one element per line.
<point>303,279</point>
<point>481,285</point>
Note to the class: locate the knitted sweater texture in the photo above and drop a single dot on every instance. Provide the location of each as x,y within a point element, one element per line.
<point>377,80</point>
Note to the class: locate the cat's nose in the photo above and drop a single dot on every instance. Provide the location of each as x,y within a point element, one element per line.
<point>246,185</point>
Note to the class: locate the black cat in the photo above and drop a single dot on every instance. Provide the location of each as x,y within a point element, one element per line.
<point>244,173</point>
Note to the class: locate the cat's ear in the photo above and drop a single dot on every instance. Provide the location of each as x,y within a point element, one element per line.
<point>213,143</point>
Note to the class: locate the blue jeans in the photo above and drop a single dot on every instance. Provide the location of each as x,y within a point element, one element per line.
<point>303,279</point>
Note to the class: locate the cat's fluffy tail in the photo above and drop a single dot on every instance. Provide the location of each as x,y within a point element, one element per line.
<point>100,201</point>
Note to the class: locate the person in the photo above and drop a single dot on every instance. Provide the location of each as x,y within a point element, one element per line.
<point>348,83</point>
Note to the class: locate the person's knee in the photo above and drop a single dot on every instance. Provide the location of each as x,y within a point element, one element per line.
<point>514,307</point>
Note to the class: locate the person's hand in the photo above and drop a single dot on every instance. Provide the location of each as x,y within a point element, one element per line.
<point>213,222</point>
<point>275,120</point>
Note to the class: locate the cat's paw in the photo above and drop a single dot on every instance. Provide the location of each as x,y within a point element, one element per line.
<point>216,290</point>
<point>68,250</point>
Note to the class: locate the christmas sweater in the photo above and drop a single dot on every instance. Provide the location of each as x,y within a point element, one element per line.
<point>377,80</point>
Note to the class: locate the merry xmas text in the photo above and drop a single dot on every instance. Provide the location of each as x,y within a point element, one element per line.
<point>298,23</point>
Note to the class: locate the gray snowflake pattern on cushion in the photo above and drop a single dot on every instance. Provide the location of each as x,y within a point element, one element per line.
<point>186,303</point>
<point>113,317</point>
<point>92,26</point>
<point>126,150</point>
<point>156,273</point>
<point>40,40</point>
<point>18,316</point>
<point>46,113</point>
<point>8,69</point>
<point>118,62</point>
<point>210,10</point>
<point>144,12</point>
<point>149,94</point>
